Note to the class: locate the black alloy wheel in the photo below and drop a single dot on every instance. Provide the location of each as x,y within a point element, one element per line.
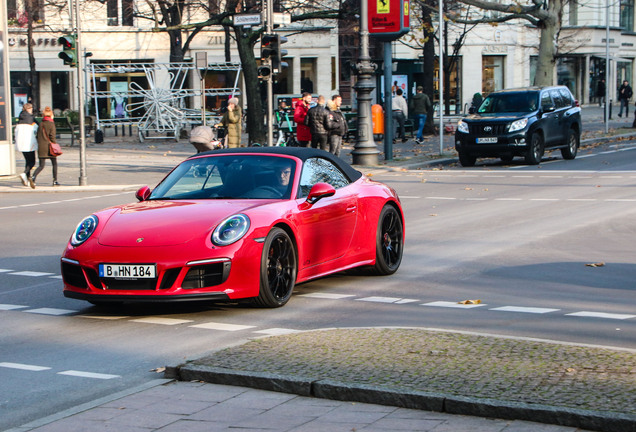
<point>572,143</point>
<point>278,270</point>
<point>535,150</point>
<point>389,241</point>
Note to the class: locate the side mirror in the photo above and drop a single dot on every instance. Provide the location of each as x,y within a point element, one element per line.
<point>143,193</point>
<point>472,110</point>
<point>548,108</point>
<point>320,191</point>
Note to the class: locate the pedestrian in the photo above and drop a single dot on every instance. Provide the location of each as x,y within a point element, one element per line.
<point>624,95</point>
<point>400,113</point>
<point>303,133</point>
<point>600,92</point>
<point>203,139</point>
<point>336,124</point>
<point>46,136</point>
<point>420,107</point>
<point>26,142</point>
<point>232,119</point>
<point>316,120</point>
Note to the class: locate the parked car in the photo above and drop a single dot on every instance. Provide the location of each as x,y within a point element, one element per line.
<point>521,122</point>
<point>232,224</point>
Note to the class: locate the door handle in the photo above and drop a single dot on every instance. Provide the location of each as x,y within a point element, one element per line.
<point>352,209</point>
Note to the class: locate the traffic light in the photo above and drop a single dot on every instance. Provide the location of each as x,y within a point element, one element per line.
<point>69,51</point>
<point>277,58</point>
<point>268,46</point>
<point>264,72</point>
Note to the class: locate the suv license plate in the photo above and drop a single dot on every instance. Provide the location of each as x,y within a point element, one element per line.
<point>487,140</point>
<point>127,271</point>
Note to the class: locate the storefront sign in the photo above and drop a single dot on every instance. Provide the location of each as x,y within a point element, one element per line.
<point>39,42</point>
<point>388,19</point>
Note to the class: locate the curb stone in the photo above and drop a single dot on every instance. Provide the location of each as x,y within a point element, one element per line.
<point>480,407</point>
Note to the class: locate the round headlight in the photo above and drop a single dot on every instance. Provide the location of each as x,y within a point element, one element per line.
<point>84,230</point>
<point>231,230</point>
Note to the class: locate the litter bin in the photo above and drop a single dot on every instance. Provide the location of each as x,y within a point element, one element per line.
<point>377,117</point>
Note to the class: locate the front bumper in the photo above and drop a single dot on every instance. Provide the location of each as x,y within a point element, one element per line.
<point>514,143</point>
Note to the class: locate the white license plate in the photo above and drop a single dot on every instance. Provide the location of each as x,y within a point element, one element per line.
<point>487,140</point>
<point>127,271</point>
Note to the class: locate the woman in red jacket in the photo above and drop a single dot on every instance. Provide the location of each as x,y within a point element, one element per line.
<point>303,133</point>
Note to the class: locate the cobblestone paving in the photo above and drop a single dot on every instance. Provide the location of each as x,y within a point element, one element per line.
<point>451,363</point>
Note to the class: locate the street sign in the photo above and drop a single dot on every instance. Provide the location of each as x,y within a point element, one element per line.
<point>388,19</point>
<point>246,19</point>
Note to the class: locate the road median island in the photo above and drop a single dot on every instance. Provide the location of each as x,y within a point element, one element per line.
<point>581,386</point>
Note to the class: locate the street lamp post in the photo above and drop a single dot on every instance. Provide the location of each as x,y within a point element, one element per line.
<point>365,151</point>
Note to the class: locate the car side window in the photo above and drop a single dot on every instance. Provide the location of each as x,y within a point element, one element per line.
<point>566,96</point>
<point>556,97</point>
<point>319,170</point>
<point>546,101</point>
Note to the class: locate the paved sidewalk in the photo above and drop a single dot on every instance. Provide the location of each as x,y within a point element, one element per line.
<point>355,379</point>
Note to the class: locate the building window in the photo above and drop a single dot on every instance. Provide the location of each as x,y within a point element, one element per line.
<point>113,9</point>
<point>573,16</point>
<point>12,9</point>
<point>493,74</point>
<point>627,15</point>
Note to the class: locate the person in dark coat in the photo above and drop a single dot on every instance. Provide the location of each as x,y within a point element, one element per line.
<point>46,135</point>
<point>420,107</point>
<point>624,95</point>
<point>336,125</point>
<point>25,141</point>
<point>303,133</point>
<point>316,120</point>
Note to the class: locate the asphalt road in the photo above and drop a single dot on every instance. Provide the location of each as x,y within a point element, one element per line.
<point>517,238</point>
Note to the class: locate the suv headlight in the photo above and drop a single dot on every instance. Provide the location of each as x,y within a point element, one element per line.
<point>518,125</point>
<point>462,126</point>
<point>231,230</point>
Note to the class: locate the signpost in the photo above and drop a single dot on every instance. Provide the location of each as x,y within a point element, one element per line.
<point>388,20</point>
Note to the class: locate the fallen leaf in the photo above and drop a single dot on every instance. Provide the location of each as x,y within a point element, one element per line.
<point>433,214</point>
<point>599,264</point>
<point>158,370</point>
<point>469,302</point>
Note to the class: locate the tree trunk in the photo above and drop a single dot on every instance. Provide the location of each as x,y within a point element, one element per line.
<point>428,59</point>
<point>34,77</point>
<point>547,45</point>
<point>255,124</point>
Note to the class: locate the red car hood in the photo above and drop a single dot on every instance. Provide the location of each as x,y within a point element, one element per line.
<point>166,223</point>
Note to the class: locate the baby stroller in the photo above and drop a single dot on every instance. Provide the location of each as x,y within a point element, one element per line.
<point>205,138</point>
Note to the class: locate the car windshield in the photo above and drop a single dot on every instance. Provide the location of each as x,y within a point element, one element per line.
<point>510,103</point>
<point>229,177</point>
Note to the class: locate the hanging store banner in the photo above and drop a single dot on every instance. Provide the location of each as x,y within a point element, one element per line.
<point>388,19</point>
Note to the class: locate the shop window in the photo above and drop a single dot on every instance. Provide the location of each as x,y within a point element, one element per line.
<point>627,15</point>
<point>493,74</point>
<point>12,9</point>
<point>308,67</point>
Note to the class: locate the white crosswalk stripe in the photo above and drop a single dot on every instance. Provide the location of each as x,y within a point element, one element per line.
<point>161,321</point>
<point>25,367</point>
<point>51,311</point>
<point>222,326</point>
<point>601,315</point>
<point>93,375</point>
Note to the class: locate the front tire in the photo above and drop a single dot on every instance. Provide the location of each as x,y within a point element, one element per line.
<point>467,160</point>
<point>535,151</point>
<point>278,270</point>
<point>572,143</point>
<point>389,241</point>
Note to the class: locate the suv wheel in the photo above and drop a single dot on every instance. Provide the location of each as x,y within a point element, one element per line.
<point>572,143</point>
<point>467,160</point>
<point>535,151</point>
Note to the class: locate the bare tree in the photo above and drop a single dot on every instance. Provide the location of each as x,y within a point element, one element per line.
<point>543,14</point>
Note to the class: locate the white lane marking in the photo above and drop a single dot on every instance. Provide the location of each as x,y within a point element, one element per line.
<point>601,315</point>
<point>31,273</point>
<point>161,321</point>
<point>534,310</point>
<point>5,270</point>
<point>447,304</point>
<point>620,200</point>
<point>550,176</point>
<point>22,366</point>
<point>277,331</point>
<point>11,307</point>
<point>585,156</point>
<point>51,311</point>
<point>327,296</point>
<point>545,199</point>
<point>582,199</point>
<point>441,198</point>
<point>56,277</point>
<point>379,299</point>
<point>476,199</point>
<point>508,199</point>
<point>104,317</point>
<point>410,197</point>
<point>406,301</point>
<point>93,375</point>
<point>522,176</point>
<point>222,326</point>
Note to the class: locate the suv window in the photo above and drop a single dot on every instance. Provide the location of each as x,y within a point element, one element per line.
<point>509,103</point>
<point>556,97</point>
<point>566,95</point>
<point>546,101</point>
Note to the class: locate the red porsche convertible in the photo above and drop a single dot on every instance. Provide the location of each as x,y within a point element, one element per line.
<point>231,224</point>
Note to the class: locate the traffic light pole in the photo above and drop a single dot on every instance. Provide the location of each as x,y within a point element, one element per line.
<point>83,180</point>
<point>270,81</point>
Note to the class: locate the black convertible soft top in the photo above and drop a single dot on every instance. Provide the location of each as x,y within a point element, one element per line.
<point>302,153</point>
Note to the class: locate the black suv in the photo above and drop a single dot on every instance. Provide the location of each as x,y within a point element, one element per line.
<point>521,122</point>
